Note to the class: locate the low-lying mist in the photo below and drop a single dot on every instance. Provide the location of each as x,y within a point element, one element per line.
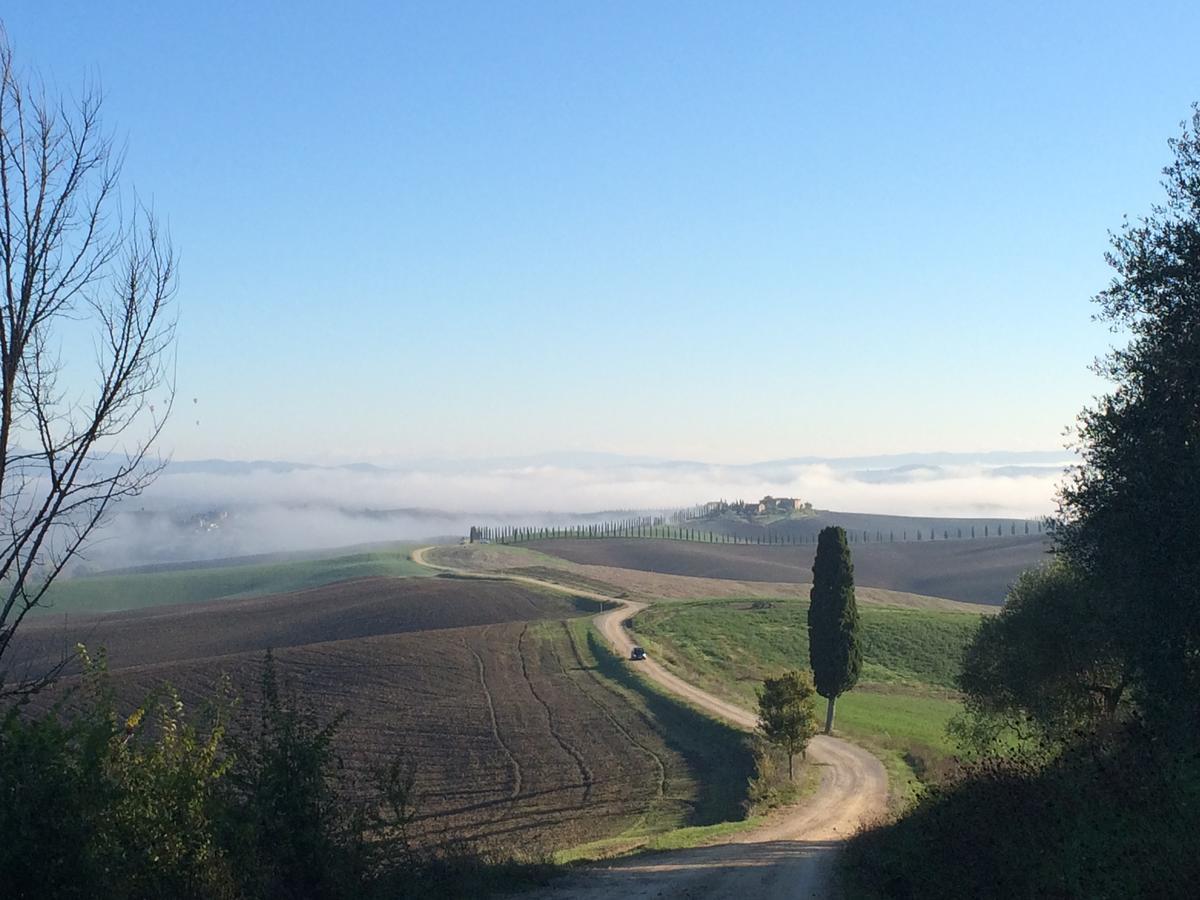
<point>219,509</point>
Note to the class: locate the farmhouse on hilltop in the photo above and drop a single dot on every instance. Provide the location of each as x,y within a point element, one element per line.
<point>766,506</point>
<point>769,504</point>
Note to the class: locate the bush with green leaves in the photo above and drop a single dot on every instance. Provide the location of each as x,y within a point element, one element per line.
<point>96,804</point>
<point>1048,668</point>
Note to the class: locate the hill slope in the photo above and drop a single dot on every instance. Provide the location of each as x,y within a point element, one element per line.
<point>520,733</point>
<point>974,571</point>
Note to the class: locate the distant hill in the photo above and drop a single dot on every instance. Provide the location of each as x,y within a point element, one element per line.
<point>867,527</point>
<point>978,571</point>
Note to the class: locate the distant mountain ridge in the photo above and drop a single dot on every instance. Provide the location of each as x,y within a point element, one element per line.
<point>1006,460</point>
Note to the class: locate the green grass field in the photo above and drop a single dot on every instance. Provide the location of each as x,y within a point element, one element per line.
<point>108,593</point>
<point>905,696</point>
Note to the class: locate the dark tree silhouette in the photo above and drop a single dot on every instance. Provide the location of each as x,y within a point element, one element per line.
<point>833,622</point>
<point>1128,514</point>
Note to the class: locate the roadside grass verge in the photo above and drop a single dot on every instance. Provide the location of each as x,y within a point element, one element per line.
<point>109,593</point>
<point>901,706</point>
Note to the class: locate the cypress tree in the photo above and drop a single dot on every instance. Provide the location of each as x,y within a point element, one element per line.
<point>834,650</point>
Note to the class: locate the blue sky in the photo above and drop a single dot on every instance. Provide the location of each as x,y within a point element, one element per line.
<point>713,231</point>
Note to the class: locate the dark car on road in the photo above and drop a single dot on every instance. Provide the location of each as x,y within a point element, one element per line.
<point>637,653</point>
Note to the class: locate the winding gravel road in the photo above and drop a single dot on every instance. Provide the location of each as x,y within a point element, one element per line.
<point>790,856</point>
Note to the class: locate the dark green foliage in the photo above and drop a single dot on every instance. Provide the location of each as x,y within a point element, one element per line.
<point>1049,665</point>
<point>785,712</point>
<point>1110,819</point>
<point>1129,513</point>
<point>1106,803</point>
<point>93,804</point>
<point>290,832</point>
<point>833,625</point>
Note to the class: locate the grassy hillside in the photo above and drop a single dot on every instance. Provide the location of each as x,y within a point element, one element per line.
<point>106,593</point>
<point>905,696</point>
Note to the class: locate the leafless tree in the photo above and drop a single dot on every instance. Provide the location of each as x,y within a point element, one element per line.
<point>86,338</point>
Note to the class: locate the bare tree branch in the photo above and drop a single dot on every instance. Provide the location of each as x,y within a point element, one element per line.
<point>69,260</point>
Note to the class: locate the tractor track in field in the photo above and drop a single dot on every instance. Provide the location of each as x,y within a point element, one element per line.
<point>514,763</point>
<point>589,779</point>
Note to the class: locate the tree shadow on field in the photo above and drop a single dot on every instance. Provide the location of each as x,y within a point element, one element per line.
<point>719,757</point>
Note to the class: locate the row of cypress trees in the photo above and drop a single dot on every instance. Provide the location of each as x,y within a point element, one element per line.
<point>655,527</point>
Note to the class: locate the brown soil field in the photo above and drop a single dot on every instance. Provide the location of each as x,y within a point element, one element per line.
<point>978,571</point>
<point>350,609</point>
<point>519,736</point>
<point>516,743</point>
<point>638,585</point>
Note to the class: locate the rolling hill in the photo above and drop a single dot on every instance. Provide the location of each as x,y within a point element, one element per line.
<point>524,734</point>
<point>977,571</point>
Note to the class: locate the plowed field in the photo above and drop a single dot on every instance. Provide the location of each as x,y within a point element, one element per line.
<point>522,734</point>
<point>978,571</point>
<point>351,609</point>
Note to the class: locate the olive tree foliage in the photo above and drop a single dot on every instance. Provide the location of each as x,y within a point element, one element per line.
<point>785,713</point>
<point>834,647</point>
<point>86,332</point>
<point>1130,514</point>
<point>1047,667</point>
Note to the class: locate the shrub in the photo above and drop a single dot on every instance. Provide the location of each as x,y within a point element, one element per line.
<point>95,805</point>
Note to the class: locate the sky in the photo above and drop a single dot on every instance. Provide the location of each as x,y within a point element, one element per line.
<point>710,231</point>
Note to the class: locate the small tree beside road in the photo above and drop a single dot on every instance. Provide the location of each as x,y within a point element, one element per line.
<point>833,624</point>
<point>785,713</point>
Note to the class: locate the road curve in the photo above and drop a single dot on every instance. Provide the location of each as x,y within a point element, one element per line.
<point>788,857</point>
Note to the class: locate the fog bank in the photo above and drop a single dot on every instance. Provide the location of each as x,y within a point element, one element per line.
<point>215,509</point>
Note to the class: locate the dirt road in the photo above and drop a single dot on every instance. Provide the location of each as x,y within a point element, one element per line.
<point>788,857</point>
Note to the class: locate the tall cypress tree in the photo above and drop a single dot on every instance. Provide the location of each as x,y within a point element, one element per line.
<point>833,624</point>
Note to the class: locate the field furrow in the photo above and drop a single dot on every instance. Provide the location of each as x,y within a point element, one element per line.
<point>491,708</point>
<point>585,773</point>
